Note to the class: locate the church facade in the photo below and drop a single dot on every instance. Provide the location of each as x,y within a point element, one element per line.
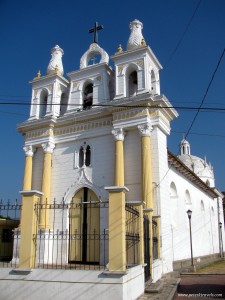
<point>98,166</point>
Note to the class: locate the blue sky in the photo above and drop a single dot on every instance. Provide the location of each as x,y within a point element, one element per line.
<point>29,29</point>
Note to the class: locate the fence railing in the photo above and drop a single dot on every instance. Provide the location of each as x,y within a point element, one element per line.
<point>77,237</point>
<point>155,239</point>
<point>132,234</point>
<point>9,220</point>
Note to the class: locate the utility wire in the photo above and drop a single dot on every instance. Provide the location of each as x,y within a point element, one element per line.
<point>183,35</point>
<point>206,92</point>
<point>198,110</point>
<point>200,134</point>
<point>4,99</point>
<point>207,109</point>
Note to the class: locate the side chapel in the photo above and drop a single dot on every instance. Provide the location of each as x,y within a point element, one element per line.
<point>98,166</point>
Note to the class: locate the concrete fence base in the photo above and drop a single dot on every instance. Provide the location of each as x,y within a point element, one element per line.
<point>71,284</point>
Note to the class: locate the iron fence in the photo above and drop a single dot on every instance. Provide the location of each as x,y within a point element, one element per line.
<point>9,220</point>
<point>132,235</point>
<point>155,239</point>
<point>75,238</point>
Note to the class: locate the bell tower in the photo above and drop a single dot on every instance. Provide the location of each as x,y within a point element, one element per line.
<point>91,84</point>
<point>49,92</point>
<point>137,68</point>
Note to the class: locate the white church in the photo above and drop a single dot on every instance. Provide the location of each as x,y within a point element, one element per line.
<point>102,195</point>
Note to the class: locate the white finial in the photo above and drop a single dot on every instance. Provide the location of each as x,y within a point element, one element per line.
<point>136,38</point>
<point>56,61</point>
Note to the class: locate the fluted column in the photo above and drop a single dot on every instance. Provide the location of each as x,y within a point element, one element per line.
<point>27,179</point>
<point>119,157</point>
<point>145,132</point>
<point>46,184</point>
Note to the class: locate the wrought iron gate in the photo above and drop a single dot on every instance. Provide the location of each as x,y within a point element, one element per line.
<point>146,247</point>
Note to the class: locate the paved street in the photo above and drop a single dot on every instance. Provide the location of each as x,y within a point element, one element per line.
<point>207,283</point>
<point>201,286</point>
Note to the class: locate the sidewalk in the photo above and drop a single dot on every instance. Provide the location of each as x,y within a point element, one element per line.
<point>164,289</point>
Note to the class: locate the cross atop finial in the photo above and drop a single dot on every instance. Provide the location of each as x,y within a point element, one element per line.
<point>95,30</point>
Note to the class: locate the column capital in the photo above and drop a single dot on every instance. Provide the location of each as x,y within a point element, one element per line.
<point>145,129</point>
<point>118,134</point>
<point>29,150</point>
<point>48,147</point>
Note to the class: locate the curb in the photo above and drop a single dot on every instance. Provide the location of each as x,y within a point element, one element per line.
<point>173,293</point>
<point>202,274</point>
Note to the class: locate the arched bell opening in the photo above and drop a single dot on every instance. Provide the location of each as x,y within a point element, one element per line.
<point>94,59</point>
<point>43,103</point>
<point>153,82</point>
<point>132,82</point>
<point>84,228</point>
<point>63,104</point>
<point>88,96</point>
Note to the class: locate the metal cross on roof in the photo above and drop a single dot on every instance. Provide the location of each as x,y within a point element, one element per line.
<point>95,30</point>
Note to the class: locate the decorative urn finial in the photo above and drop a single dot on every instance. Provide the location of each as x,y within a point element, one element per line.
<point>136,37</point>
<point>56,61</point>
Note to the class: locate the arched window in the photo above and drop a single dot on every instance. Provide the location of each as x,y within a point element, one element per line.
<point>81,157</point>
<point>173,204</point>
<point>63,104</point>
<point>153,82</point>
<point>132,83</point>
<point>43,103</point>
<point>187,198</point>
<point>173,190</point>
<point>85,156</point>
<point>202,206</point>
<point>88,156</point>
<point>88,96</point>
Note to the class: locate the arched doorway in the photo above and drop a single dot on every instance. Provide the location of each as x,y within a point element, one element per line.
<point>84,227</point>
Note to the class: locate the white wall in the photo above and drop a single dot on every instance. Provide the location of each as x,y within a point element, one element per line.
<point>160,192</point>
<point>64,173</point>
<point>204,220</point>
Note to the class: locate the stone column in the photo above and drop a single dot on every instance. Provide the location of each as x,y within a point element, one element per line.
<point>27,179</point>
<point>46,184</point>
<point>147,191</point>
<point>119,157</point>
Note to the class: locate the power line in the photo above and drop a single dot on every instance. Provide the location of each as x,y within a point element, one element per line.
<point>198,110</point>
<point>4,99</point>
<point>200,134</point>
<point>206,92</point>
<point>183,35</point>
<point>192,108</point>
